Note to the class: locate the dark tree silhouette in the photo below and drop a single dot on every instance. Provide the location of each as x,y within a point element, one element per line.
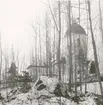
<point>12,69</point>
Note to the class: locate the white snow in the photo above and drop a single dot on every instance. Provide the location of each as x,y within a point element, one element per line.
<point>45,97</point>
<point>92,88</point>
<point>49,82</point>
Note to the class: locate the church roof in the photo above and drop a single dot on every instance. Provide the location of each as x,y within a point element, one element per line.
<point>76,29</point>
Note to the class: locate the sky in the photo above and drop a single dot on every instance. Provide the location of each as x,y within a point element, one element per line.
<point>16,17</point>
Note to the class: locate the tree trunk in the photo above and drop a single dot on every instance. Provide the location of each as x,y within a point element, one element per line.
<point>94,49</point>
<point>70,45</point>
<point>59,41</point>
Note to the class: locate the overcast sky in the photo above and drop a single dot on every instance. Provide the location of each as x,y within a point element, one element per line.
<point>16,17</point>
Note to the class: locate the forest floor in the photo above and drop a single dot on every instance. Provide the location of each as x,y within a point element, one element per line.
<point>45,92</point>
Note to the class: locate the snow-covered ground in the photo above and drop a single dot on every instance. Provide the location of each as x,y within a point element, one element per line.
<point>93,88</point>
<point>42,93</point>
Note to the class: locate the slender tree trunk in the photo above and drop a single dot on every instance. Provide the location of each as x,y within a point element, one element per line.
<point>94,49</point>
<point>50,67</point>
<point>80,63</point>
<point>36,56</point>
<point>59,44</point>
<point>80,57</point>
<point>70,45</point>
<point>75,69</point>
<point>54,51</point>
<point>86,65</point>
<point>40,57</point>
<point>47,48</point>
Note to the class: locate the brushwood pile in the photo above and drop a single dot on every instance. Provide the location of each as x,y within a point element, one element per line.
<point>50,91</point>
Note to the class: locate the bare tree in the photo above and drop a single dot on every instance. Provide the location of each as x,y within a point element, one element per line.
<point>59,39</point>
<point>94,48</point>
<point>48,43</point>
<point>58,28</point>
<point>70,45</point>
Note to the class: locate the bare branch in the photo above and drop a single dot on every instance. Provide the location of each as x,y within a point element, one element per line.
<point>53,16</point>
